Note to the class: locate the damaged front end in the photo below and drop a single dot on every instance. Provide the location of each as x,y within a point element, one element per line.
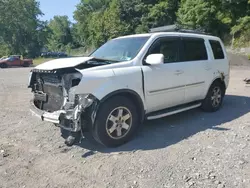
<point>55,100</point>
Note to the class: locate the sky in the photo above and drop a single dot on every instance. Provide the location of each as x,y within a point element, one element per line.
<point>51,8</point>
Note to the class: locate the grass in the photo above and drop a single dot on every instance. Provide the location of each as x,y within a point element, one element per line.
<point>72,53</point>
<point>248,56</point>
<point>77,52</point>
<point>40,60</point>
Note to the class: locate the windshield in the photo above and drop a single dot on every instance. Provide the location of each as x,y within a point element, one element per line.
<point>123,49</point>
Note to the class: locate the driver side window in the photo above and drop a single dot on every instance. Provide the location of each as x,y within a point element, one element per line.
<point>11,59</point>
<point>169,47</point>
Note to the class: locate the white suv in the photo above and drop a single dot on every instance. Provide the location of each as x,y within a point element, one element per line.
<point>130,79</point>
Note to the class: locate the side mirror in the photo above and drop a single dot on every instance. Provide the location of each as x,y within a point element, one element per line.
<point>155,59</point>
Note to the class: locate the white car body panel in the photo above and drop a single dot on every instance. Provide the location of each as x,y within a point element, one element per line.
<point>100,83</point>
<point>159,86</point>
<point>63,63</point>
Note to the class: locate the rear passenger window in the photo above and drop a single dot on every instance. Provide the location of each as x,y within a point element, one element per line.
<point>194,49</point>
<point>217,49</point>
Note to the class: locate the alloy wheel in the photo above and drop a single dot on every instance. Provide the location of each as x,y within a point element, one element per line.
<point>119,123</point>
<point>216,97</point>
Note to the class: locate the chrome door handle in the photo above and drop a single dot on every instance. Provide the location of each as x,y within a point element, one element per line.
<point>179,72</point>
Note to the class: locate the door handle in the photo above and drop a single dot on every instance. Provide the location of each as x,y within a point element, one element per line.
<point>179,72</point>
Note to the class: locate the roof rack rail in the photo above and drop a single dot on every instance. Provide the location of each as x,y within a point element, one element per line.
<point>177,28</point>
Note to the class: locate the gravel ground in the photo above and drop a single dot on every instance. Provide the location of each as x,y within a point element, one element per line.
<point>191,149</point>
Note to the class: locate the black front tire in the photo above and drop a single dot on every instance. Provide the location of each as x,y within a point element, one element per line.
<point>3,65</point>
<point>207,104</point>
<point>100,131</point>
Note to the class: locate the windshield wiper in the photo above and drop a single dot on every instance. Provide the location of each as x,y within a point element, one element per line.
<point>106,60</point>
<point>96,62</point>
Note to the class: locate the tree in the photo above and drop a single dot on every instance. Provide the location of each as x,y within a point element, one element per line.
<point>214,16</point>
<point>59,33</point>
<point>141,15</point>
<point>195,14</point>
<point>20,27</point>
<point>21,32</point>
<point>132,13</point>
<point>162,13</point>
<point>84,15</point>
<point>106,25</point>
<point>97,22</point>
<point>241,31</point>
<point>235,9</point>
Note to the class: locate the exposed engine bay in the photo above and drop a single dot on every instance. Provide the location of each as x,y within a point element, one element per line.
<point>54,95</point>
<point>51,90</point>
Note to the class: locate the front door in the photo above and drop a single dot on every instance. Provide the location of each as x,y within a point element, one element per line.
<point>165,83</point>
<point>14,61</point>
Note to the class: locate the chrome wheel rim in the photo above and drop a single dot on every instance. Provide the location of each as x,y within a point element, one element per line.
<point>119,122</point>
<point>216,97</point>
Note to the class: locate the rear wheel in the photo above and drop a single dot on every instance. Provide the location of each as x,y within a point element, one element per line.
<point>116,122</point>
<point>214,98</point>
<point>26,64</point>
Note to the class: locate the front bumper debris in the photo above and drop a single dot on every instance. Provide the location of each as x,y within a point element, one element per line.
<point>67,119</point>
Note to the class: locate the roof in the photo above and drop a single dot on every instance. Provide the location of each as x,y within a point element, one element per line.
<point>185,34</point>
<point>136,35</point>
<point>173,30</point>
<point>156,34</point>
<point>163,28</point>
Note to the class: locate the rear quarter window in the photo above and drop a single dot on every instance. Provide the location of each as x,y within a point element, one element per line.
<point>194,49</point>
<point>217,49</point>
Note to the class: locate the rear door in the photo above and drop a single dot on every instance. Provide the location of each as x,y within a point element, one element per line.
<point>198,70</point>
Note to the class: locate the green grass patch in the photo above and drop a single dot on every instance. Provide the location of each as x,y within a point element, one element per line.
<point>77,52</point>
<point>248,57</point>
<point>40,60</point>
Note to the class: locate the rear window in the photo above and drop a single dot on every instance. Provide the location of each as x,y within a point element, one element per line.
<point>217,49</point>
<point>194,49</point>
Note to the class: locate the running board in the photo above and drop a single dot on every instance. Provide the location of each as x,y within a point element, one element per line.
<point>171,111</point>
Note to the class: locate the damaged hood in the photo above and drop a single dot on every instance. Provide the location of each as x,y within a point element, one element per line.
<point>63,63</point>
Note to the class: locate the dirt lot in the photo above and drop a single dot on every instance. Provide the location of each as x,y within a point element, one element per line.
<point>191,149</point>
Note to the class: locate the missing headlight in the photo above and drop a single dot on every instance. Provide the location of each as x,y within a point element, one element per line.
<point>75,82</point>
<point>85,100</point>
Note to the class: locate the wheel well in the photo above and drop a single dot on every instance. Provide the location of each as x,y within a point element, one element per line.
<point>219,80</point>
<point>134,97</point>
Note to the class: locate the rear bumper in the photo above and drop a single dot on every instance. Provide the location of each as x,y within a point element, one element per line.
<point>68,120</point>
